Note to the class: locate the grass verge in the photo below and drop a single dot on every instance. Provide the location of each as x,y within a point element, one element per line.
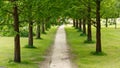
<point>84,54</point>
<point>31,57</point>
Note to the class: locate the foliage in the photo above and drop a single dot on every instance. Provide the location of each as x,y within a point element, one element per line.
<point>107,6</point>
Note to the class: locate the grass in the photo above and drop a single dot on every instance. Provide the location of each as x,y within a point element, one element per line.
<point>83,54</point>
<point>31,57</point>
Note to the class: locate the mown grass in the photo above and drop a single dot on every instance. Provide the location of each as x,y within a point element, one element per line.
<point>82,53</point>
<point>31,57</point>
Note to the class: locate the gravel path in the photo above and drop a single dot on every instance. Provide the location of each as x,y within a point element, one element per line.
<point>59,57</point>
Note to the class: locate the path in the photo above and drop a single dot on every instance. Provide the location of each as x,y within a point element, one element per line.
<point>59,56</point>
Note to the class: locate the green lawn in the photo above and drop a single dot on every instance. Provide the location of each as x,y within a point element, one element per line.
<point>81,52</point>
<point>30,57</point>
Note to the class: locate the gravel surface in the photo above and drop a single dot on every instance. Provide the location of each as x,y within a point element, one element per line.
<point>59,56</point>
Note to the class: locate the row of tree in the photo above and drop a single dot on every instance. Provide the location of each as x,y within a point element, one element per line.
<point>90,12</point>
<point>17,15</point>
<point>86,19</point>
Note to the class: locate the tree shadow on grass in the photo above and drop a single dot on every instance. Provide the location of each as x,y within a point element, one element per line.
<point>83,34</point>
<point>79,30</point>
<point>44,33</point>
<point>98,53</point>
<point>30,47</point>
<point>12,63</point>
<point>39,38</point>
<point>89,42</point>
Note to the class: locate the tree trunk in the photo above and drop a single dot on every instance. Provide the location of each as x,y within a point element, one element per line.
<point>17,55</point>
<point>115,23</point>
<point>77,23</point>
<point>43,26</point>
<point>38,34</point>
<point>98,30</point>
<point>30,40</point>
<point>89,36</point>
<point>73,22</point>
<point>84,26</point>
<point>47,26</point>
<point>80,25</point>
<point>106,22</point>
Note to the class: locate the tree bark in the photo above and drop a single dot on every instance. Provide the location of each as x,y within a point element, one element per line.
<point>98,30</point>
<point>89,36</point>
<point>38,34</point>
<point>17,55</point>
<point>115,23</point>
<point>84,26</point>
<point>77,23</point>
<point>106,24</point>
<point>80,25</point>
<point>43,26</point>
<point>30,40</point>
<point>73,22</point>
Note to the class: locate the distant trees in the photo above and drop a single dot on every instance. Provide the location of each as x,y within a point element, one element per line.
<point>106,13</point>
<point>96,13</point>
<point>82,11</point>
<point>93,16</point>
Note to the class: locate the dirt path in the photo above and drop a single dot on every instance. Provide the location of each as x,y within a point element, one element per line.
<point>59,57</point>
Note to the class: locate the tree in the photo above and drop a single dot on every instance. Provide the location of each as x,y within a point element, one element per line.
<point>84,26</point>
<point>98,28</point>
<point>28,11</point>
<point>89,36</point>
<point>73,22</point>
<point>80,24</point>
<point>13,5</point>
<point>13,9</point>
<point>38,31</point>
<point>17,57</point>
<point>77,23</point>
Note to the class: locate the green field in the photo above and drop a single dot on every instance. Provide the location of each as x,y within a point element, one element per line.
<point>82,53</point>
<point>30,57</point>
